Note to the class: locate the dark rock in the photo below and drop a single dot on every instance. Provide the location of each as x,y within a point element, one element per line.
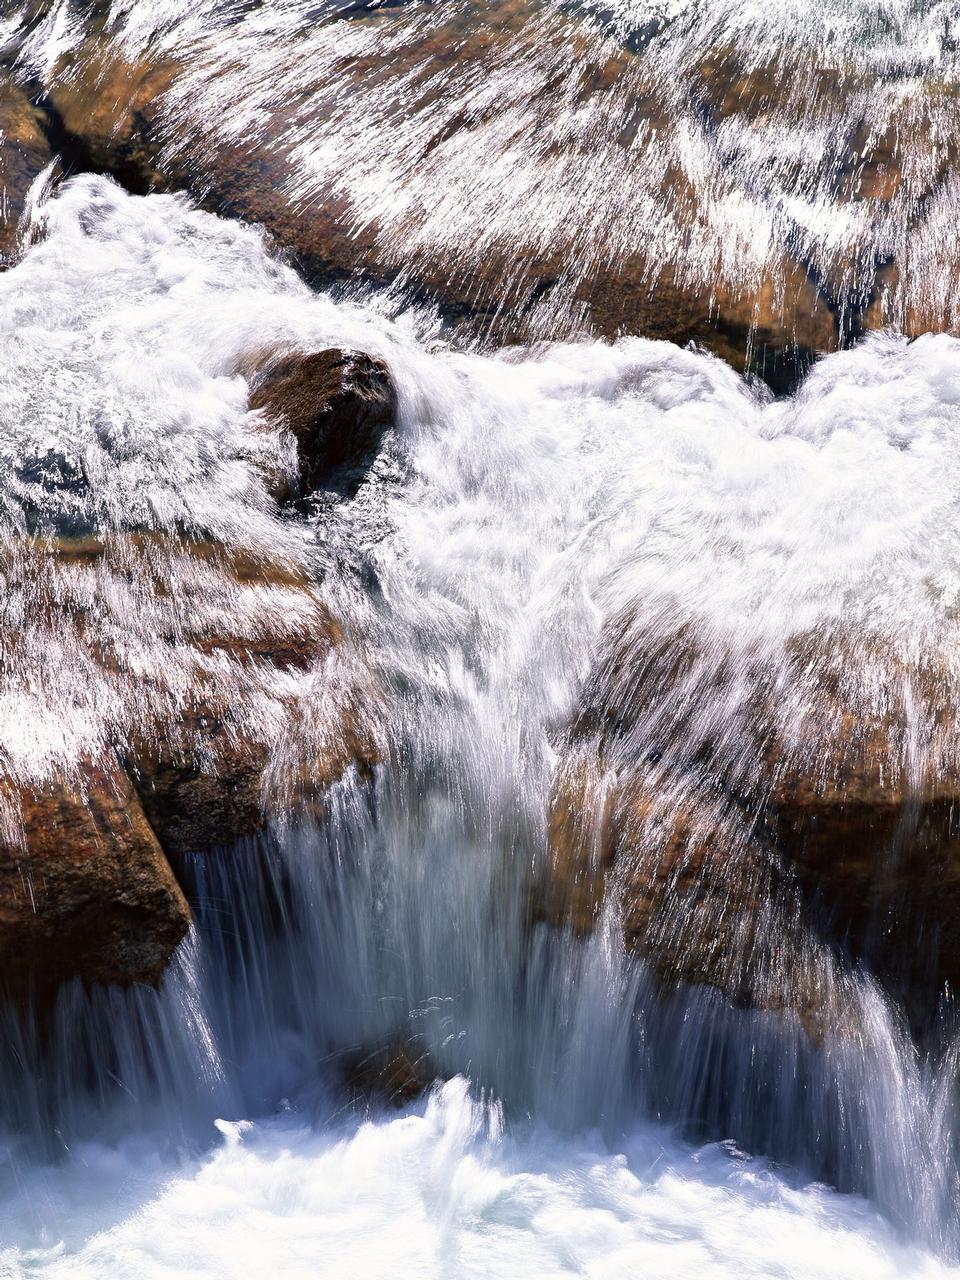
<point>336,404</point>
<point>24,154</point>
<point>89,893</point>
<point>396,1073</point>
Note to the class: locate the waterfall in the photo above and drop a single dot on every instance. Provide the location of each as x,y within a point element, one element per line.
<point>536,515</point>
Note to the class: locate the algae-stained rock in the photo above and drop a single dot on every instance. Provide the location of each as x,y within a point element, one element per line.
<point>89,893</point>
<point>336,404</point>
<point>24,154</point>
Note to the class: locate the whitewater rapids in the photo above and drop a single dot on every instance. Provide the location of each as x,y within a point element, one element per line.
<point>521,499</point>
<point>439,1192</point>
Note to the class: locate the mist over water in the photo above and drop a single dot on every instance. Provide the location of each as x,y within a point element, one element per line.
<point>594,1120</point>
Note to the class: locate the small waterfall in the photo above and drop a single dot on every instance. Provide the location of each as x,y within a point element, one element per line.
<point>543,526</point>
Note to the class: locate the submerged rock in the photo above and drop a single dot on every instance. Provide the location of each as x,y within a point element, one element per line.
<point>88,892</point>
<point>395,1073</point>
<point>337,405</point>
<point>24,154</point>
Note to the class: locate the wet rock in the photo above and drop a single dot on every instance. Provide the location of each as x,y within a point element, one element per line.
<point>133,120</point>
<point>773,327</point>
<point>213,779</point>
<point>693,887</point>
<point>209,660</point>
<point>395,1073</point>
<point>88,893</point>
<point>863,798</point>
<point>337,405</point>
<point>105,113</point>
<point>24,154</point>
<point>823,774</point>
<point>217,784</point>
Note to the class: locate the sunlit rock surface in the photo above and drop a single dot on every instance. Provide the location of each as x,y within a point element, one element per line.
<point>765,187</point>
<point>24,155</point>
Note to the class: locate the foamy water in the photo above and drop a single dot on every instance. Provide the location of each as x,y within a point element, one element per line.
<point>524,502</point>
<point>441,1191</point>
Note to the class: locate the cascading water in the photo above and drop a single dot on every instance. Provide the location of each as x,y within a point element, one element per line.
<point>596,1118</point>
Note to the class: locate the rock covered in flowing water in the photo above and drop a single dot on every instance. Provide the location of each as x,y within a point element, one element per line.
<point>396,1073</point>
<point>132,119</point>
<point>693,887</point>
<point>88,891</point>
<point>336,404</point>
<point>809,791</point>
<point>862,794</point>
<point>24,154</point>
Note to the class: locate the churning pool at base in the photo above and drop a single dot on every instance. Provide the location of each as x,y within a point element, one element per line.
<point>441,1191</point>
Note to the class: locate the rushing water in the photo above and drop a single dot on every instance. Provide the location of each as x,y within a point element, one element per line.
<point>592,1122</point>
<point>522,149</point>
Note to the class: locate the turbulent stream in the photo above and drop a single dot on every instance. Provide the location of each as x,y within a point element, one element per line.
<point>536,512</point>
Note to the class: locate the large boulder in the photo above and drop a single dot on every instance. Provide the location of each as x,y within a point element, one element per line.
<point>209,677</point>
<point>859,787</point>
<point>810,789</point>
<point>86,891</point>
<point>686,880</point>
<point>137,120</point>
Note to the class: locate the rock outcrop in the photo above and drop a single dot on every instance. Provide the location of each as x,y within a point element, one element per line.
<point>132,120</point>
<point>189,709</point>
<point>103,114</point>
<point>88,891</point>
<point>739,813</point>
<point>694,888</point>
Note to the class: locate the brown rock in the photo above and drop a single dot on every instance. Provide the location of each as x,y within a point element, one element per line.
<point>336,404</point>
<point>108,110</point>
<point>695,890</point>
<point>863,796</point>
<point>772,323</point>
<point>24,154</point>
<point>212,782</point>
<point>826,770</point>
<point>89,894</point>
<point>396,1073</point>
<point>216,786</point>
<point>244,639</point>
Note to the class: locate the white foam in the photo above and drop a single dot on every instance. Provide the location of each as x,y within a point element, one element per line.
<point>440,1192</point>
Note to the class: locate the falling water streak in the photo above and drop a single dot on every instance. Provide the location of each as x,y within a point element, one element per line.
<point>523,503</point>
